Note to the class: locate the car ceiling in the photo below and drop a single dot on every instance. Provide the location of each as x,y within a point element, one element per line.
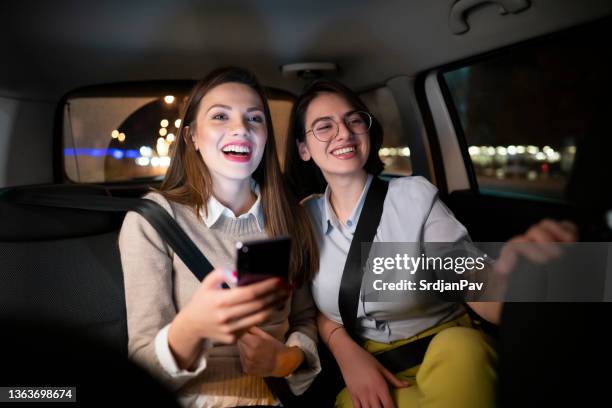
<point>51,47</point>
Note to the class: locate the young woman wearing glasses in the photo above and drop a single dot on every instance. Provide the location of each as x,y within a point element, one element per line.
<point>336,137</point>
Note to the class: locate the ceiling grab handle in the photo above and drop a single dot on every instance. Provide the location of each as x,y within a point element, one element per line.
<point>458,14</point>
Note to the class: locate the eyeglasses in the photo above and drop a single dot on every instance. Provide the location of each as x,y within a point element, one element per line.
<point>325,129</point>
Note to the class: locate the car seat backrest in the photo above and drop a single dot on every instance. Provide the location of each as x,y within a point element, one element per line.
<point>62,265</point>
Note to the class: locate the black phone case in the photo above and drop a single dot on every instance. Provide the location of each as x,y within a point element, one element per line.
<point>258,260</point>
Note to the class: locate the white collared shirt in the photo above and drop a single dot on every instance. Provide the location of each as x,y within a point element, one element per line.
<point>214,210</point>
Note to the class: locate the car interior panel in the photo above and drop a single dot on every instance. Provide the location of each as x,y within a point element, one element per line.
<point>503,105</point>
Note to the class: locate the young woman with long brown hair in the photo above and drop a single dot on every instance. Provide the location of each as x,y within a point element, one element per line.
<point>223,185</point>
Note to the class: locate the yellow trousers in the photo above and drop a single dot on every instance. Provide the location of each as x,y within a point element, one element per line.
<point>457,370</point>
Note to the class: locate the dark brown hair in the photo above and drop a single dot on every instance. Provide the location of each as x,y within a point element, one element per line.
<point>305,177</point>
<point>188,180</point>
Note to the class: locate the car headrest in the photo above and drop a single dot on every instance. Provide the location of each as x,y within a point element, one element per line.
<point>30,222</point>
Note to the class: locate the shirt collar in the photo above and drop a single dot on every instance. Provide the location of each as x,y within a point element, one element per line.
<point>330,219</point>
<point>215,210</point>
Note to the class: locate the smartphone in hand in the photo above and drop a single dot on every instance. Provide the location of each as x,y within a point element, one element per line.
<point>263,259</point>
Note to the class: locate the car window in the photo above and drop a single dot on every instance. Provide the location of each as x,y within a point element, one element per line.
<point>394,152</point>
<point>109,139</point>
<point>528,113</point>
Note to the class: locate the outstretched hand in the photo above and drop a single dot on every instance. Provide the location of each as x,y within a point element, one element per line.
<point>542,238</point>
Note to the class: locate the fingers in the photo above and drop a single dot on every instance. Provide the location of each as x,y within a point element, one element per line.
<point>549,230</point>
<point>507,257</point>
<point>251,344</point>
<point>240,333</point>
<point>539,235</point>
<point>242,354</point>
<point>260,333</point>
<point>251,320</point>
<point>385,397</point>
<point>376,393</point>
<point>234,331</point>
<point>242,310</point>
<point>246,352</point>
<point>235,311</point>
<point>570,227</point>
<point>228,338</point>
<point>214,279</point>
<point>562,231</point>
<point>386,400</point>
<point>392,379</point>
<point>255,291</point>
<point>544,234</point>
<point>238,329</point>
<point>232,328</point>
<point>538,252</point>
<point>375,402</point>
<point>538,244</point>
<point>248,340</point>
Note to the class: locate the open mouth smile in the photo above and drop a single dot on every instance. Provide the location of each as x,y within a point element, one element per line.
<point>345,152</point>
<point>237,152</point>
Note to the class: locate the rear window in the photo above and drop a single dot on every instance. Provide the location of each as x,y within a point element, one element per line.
<point>532,117</point>
<point>109,137</point>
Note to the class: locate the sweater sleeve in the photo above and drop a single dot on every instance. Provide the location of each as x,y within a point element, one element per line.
<point>148,279</point>
<point>303,334</point>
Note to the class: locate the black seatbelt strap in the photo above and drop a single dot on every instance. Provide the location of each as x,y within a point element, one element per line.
<point>352,275</point>
<point>405,356</point>
<point>166,227</point>
<point>400,358</point>
<point>154,213</point>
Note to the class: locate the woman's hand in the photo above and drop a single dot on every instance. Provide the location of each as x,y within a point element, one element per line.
<point>263,355</point>
<point>222,315</point>
<point>537,244</point>
<point>540,248</point>
<point>366,379</point>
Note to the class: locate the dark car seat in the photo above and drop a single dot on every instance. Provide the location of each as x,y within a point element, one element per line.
<point>62,266</point>
<point>62,303</point>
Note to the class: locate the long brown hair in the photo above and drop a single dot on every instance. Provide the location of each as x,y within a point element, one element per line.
<point>188,180</point>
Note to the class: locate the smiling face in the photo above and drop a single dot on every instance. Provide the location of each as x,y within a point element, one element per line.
<point>230,131</point>
<point>342,155</point>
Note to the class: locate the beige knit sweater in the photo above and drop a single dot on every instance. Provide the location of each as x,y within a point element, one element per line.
<point>158,285</point>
